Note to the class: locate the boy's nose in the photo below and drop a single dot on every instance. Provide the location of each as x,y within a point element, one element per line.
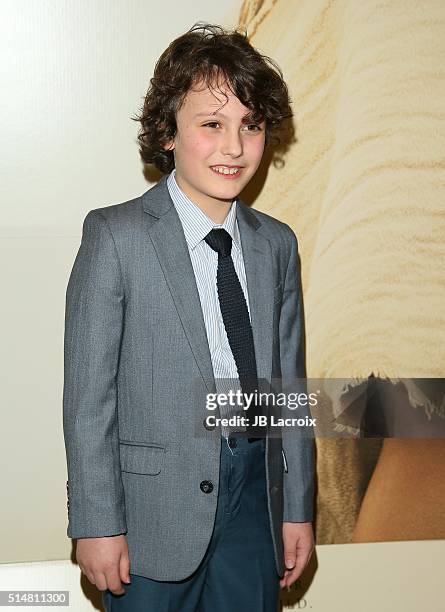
<point>232,144</point>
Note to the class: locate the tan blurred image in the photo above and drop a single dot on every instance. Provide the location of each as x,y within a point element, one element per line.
<point>363,189</point>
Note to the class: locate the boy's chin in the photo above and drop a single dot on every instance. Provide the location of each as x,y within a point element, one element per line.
<point>226,196</point>
<point>228,192</point>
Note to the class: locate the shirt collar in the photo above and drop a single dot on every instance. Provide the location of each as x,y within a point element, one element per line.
<point>195,222</point>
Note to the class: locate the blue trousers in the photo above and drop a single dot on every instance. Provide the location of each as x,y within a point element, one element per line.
<point>238,572</point>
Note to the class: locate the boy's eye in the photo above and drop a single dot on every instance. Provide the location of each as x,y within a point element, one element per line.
<point>254,125</point>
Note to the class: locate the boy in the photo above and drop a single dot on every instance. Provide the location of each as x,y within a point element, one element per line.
<point>186,285</point>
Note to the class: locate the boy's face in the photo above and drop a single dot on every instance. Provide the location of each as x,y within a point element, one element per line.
<point>211,136</point>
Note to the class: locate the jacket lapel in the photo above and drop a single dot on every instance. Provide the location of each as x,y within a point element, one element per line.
<point>257,257</point>
<point>167,235</point>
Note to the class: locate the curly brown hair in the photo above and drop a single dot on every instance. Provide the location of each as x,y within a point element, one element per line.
<point>209,54</point>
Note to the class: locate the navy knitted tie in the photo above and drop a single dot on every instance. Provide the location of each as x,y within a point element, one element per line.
<point>236,319</point>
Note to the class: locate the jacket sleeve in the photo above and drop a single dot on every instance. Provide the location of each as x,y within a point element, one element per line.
<point>94,315</point>
<point>298,444</point>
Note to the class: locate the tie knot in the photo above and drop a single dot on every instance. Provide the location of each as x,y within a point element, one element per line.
<point>220,240</point>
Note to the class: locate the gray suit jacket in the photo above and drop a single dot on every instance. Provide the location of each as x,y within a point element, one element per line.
<point>135,351</point>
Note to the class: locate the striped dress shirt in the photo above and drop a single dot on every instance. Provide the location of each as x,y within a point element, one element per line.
<point>196,225</point>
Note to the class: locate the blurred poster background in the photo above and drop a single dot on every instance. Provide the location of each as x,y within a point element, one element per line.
<point>363,187</point>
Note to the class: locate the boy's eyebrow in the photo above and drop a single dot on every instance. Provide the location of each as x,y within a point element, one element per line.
<point>246,117</point>
<point>205,113</point>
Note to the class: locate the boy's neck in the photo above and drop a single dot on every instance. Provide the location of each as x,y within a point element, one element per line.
<point>216,210</point>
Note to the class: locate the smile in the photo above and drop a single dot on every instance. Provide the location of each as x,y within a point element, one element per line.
<point>226,172</point>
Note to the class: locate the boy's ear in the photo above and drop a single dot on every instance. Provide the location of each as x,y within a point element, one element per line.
<point>169,146</point>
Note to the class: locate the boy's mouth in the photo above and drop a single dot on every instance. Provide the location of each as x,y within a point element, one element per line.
<point>227,172</point>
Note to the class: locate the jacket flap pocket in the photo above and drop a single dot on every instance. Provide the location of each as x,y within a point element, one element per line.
<point>138,459</point>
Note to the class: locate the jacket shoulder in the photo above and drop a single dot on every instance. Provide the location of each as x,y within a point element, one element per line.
<point>119,217</point>
<point>120,211</point>
<point>274,229</point>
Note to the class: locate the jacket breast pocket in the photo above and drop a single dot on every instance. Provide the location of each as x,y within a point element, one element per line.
<point>141,458</point>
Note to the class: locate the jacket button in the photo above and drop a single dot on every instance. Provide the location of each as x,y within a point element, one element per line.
<point>206,486</point>
<point>207,425</point>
